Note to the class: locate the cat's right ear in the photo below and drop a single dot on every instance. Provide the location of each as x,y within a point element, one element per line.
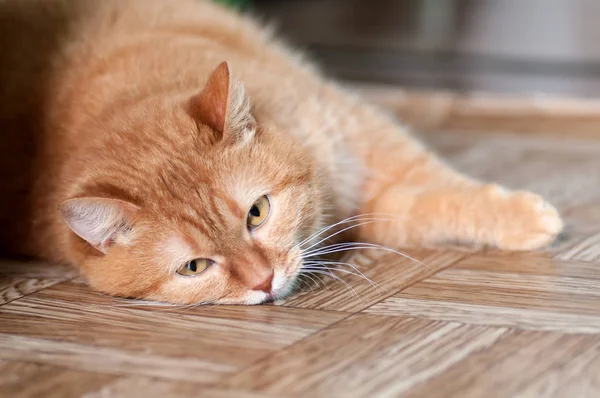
<point>224,107</point>
<point>101,222</point>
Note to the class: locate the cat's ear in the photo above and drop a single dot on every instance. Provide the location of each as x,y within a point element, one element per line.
<point>101,222</point>
<point>224,106</point>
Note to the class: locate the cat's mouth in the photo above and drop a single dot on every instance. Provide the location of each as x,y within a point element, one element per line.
<point>283,286</point>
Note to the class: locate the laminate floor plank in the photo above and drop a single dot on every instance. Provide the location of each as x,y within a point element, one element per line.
<point>526,364</point>
<point>389,273</point>
<point>444,323</point>
<point>481,290</point>
<point>29,380</point>
<point>19,278</point>
<point>364,356</point>
<point>73,326</point>
<point>136,386</point>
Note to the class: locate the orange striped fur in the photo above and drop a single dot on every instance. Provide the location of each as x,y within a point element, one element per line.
<point>130,149</point>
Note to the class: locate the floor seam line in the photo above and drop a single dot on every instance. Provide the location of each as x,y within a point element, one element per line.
<point>452,263</point>
<point>37,291</point>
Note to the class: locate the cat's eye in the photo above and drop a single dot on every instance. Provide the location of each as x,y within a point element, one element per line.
<point>259,212</point>
<point>195,267</point>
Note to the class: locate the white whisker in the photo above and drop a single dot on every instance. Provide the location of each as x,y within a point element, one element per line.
<point>340,247</point>
<point>323,272</point>
<point>375,285</point>
<point>305,283</point>
<point>336,263</point>
<point>322,281</point>
<point>324,229</point>
<point>361,223</point>
<point>356,267</point>
<point>344,221</point>
<point>314,281</point>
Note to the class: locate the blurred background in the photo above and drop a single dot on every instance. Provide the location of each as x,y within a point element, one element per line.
<point>500,46</point>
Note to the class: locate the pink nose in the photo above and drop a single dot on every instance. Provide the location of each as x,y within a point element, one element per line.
<point>265,285</point>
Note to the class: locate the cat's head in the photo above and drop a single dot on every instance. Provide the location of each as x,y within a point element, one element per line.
<point>200,204</point>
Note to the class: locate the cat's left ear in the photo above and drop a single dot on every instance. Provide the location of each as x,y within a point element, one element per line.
<point>101,222</point>
<point>224,107</point>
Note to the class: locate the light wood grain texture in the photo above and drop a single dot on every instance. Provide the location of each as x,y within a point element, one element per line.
<point>526,264</point>
<point>520,364</point>
<point>14,288</point>
<point>524,318</point>
<point>110,360</point>
<point>463,324</point>
<point>578,377</point>
<point>389,273</point>
<point>582,244</point>
<point>18,279</point>
<point>375,356</point>
<point>155,388</point>
<point>29,380</point>
<point>70,325</point>
<point>483,291</point>
<point>366,356</point>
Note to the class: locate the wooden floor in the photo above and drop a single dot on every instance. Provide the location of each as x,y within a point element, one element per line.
<point>463,324</point>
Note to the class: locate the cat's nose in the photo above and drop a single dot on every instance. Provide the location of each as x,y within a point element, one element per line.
<point>265,285</point>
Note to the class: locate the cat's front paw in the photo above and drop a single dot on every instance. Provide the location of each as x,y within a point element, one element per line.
<point>525,221</point>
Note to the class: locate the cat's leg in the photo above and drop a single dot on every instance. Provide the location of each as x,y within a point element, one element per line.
<point>423,202</point>
<point>486,215</point>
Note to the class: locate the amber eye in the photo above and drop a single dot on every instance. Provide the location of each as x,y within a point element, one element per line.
<point>258,212</point>
<point>195,267</point>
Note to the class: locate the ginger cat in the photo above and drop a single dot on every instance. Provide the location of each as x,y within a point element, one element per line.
<point>131,151</point>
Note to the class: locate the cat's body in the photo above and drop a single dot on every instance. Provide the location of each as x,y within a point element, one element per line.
<point>105,125</point>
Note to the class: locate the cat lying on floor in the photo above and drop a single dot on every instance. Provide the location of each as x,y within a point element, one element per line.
<point>133,152</point>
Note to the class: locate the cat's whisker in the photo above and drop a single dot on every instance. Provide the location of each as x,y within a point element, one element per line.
<point>336,248</point>
<point>310,250</point>
<point>140,303</point>
<point>326,228</point>
<point>358,217</point>
<point>335,266</point>
<point>361,223</point>
<point>304,283</point>
<point>310,286</point>
<point>322,281</point>
<point>328,273</point>
<point>133,303</point>
<point>125,302</point>
<point>313,280</point>
<point>344,271</point>
<point>192,306</point>
<point>359,275</point>
<point>339,245</point>
<point>354,266</point>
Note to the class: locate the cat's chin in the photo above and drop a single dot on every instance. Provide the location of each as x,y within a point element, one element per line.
<point>254,298</point>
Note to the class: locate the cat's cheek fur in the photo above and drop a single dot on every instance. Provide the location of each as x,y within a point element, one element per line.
<point>200,289</point>
<point>214,287</point>
<point>119,274</point>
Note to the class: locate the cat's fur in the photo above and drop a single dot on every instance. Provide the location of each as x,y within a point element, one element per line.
<point>110,127</point>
